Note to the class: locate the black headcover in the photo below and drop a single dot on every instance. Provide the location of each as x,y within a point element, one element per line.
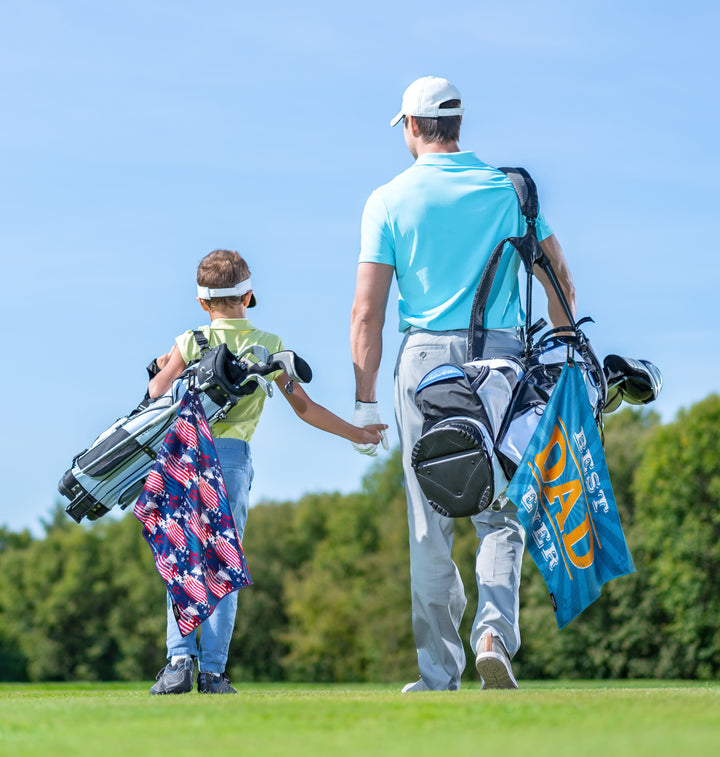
<point>636,382</point>
<point>223,371</point>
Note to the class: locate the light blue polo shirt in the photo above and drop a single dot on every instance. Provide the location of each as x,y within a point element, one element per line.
<point>437,224</point>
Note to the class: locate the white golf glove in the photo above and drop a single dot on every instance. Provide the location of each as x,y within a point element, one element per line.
<point>366,414</point>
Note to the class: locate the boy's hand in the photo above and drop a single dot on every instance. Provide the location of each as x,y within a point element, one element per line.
<point>367,415</point>
<point>373,434</point>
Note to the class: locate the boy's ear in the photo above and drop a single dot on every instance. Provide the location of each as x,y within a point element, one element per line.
<point>246,298</point>
<point>203,304</point>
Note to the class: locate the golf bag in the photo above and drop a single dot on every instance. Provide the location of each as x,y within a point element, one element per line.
<point>479,417</point>
<point>114,468</point>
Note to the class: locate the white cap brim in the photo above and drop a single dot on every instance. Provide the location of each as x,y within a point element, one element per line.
<point>241,288</point>
<point>435,113</point>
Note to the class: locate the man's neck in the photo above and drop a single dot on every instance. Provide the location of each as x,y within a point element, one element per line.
<point>428,147</point>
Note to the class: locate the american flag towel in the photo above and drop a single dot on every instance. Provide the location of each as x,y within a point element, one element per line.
<point>188,522</point>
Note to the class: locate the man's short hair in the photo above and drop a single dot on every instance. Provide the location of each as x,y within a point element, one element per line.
<point>222,269</point>
<point>445,129</point>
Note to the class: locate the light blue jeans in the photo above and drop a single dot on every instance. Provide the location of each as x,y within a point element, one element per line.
<point>438,594</point>
<point>216,631</point>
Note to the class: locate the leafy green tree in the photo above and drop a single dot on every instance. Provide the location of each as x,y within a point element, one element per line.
<point>677,492</point>
<point>13,662</point>
<point>82,602</point>
<point>135,617</point>
<point>270,545</point>
<point>53,602</point>
<point>331,596</point>
<point>349,603</point>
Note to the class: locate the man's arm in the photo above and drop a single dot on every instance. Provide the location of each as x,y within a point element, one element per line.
<point>551,247</point>
<point>366,325</point>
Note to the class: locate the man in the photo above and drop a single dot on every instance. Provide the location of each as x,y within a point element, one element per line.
<point>434,227</point>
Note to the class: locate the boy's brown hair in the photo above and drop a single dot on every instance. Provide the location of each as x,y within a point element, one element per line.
<point>222,269</point>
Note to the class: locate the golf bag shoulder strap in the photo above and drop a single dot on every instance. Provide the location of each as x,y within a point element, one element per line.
<point>526,246</point>
<point>201,341</point>
<point>526,191</point>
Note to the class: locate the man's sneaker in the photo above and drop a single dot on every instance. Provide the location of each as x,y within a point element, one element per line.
<point>176,679</point>
<point>215,683</point>
<point>493,664</point>
<point>418,685</point>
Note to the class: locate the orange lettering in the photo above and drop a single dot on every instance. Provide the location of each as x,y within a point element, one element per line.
<point>568,494</point>
<point>541,459</point>
<point>571,539</point>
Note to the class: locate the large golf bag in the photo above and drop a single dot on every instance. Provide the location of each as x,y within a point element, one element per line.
<point>479,417</point>
<point>114,468</point>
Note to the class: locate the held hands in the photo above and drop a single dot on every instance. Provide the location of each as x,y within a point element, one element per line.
<point>367,415</point>
<point>372,434</point>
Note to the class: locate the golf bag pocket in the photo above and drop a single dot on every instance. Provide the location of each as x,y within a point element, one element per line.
<point>113,470</point>
<point>111,452</point>
<point>454,459</point>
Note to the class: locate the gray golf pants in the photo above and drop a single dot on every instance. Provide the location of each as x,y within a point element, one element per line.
<point>438,596</point>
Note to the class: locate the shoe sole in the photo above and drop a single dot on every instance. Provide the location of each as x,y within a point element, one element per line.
<point>174,690</point>
<point>494,672</point>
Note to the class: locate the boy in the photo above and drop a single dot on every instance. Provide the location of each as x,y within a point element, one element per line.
<point>225,292</point>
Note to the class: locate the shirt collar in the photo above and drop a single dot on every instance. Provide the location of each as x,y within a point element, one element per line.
<point>463,158</point>
<point>242,324</point>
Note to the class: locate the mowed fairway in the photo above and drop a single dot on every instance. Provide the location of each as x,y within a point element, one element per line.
<point>553,719</point>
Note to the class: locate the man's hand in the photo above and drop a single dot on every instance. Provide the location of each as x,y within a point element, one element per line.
<point>368,414</point>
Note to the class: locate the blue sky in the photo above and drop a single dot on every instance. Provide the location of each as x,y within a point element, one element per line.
<point>137,136</point>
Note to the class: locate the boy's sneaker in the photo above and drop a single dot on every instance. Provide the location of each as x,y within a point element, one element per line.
<point>215,683</point>
<point>177,679</point>
<point>418,685</point>
<point>493,664</point>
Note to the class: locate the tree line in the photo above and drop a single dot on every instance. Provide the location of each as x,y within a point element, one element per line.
<point>331,596</point>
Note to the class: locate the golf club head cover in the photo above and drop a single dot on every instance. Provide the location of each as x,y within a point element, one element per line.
<point>637,382</point>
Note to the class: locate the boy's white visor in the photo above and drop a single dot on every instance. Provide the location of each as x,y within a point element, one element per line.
<point>241,288</point>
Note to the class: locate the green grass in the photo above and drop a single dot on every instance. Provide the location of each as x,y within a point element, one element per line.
<point>557,719</point>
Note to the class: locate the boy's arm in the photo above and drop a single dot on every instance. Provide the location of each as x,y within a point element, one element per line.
<point>173,367</point>
<point>320,417</point>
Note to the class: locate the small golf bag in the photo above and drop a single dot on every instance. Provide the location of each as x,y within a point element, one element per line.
<point>113,470</point>
<point>479,417</point>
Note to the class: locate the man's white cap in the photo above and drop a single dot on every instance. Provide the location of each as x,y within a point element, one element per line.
<point>424,97</point>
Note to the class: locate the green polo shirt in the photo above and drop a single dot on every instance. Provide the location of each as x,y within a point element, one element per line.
<point>237,333</point>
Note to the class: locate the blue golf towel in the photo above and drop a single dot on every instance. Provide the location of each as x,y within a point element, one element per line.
<point>565,502</point>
